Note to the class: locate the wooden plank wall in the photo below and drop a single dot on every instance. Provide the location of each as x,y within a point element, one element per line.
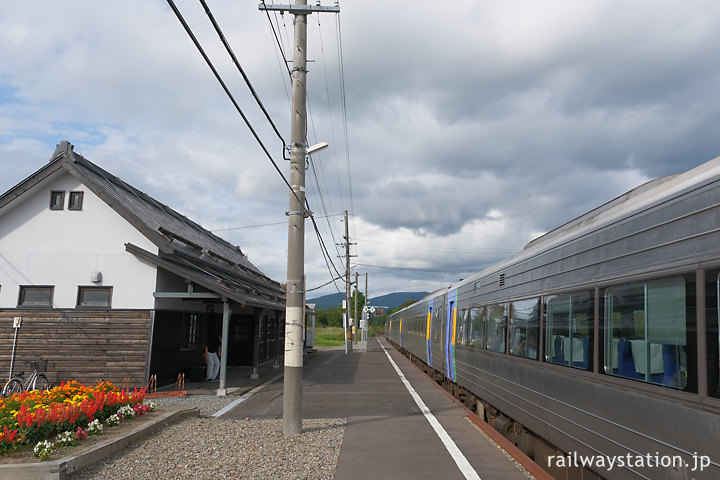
<point>85,345</point>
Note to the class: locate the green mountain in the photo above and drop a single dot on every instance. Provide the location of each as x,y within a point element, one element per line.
<point>391,300</point>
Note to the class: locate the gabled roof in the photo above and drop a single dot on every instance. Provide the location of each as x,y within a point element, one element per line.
<point>185,248</point>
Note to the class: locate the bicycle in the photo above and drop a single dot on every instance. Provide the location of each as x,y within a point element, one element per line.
<point>36,380</point>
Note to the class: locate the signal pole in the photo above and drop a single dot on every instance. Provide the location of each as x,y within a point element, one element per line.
<point>295,305</point>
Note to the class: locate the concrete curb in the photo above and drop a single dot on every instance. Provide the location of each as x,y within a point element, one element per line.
<point>59,469</point>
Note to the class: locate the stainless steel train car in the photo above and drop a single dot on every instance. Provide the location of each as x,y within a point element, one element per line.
<point>596,348</point>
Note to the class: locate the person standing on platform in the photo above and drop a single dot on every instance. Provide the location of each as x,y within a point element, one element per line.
<point>212,358</point>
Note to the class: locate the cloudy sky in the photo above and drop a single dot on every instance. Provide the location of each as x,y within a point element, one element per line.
<point>465,129</point>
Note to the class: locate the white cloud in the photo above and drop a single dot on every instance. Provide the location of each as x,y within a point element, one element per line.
<point>471,129</point>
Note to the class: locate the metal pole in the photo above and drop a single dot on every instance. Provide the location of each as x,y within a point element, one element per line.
<point>294,308</point>
<point>227,312</point>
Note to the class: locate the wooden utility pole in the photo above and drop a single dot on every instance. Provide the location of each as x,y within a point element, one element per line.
<point>295,306</point>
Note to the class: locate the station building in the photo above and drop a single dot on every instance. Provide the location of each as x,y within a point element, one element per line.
<point>107,283</point>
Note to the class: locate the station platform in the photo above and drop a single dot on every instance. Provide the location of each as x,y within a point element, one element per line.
<point>392,431</point>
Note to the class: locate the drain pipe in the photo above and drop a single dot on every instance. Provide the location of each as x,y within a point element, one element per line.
<point>17,321</point>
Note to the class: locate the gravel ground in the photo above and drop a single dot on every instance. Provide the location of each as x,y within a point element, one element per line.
<point>212,448</point>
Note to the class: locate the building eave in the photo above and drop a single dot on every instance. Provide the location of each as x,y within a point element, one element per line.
<point>207,280</point>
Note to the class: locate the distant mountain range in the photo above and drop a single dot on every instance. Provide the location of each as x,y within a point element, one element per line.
<point>391,300</point>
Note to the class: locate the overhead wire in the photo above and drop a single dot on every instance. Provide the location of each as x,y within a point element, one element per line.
<point>224,41</point>
<point>197,44</point>
<point>324,284</point>
<point>267,224</point>
<point>277,39</point>
<point>438,249</point>
<point>341,69</point>
<point>322,184</point>
<point>195,41</point>
<point>420,269</point>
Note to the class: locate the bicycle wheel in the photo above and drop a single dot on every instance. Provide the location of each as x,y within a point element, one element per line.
<point>41,382</point>
<point>11,387</point>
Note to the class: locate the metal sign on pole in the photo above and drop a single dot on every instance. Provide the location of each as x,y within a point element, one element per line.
<point>17,323</point>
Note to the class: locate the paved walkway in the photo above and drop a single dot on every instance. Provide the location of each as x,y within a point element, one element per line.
<point>389,433</point>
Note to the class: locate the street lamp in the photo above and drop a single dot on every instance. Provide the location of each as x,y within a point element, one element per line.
<point>316,148</point>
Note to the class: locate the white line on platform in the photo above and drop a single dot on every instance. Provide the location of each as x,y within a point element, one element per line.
<point>467,470</point>
<point>246,396</point>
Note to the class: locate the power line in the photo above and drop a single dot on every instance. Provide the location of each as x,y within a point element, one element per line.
<point>344,110</point>
<point>268,224</point>
<point>277,39</point>
<point>436,249</point>
<point>227,91</point>
<point>240,69</point>
<point>325,284</point>
<point>418,269</point>
<point>195,41</point>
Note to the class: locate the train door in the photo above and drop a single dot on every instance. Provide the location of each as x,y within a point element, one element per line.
<point>428,330</point>
<point>450,335</point>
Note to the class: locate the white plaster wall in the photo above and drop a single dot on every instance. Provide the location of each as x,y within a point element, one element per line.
<point>39,246</point>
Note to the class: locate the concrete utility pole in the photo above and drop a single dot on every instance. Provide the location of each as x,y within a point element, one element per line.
<point>357,323</point>
<point>295,306</point>
<point>366,315</point>
<point>348,325</point>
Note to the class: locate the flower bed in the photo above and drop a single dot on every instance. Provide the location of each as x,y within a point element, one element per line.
<point>65,414</point>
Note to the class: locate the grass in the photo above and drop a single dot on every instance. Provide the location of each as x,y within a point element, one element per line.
<point>329,336</point>
<point>334,336</point>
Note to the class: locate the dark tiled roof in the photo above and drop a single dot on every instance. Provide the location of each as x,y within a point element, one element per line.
<point>193,250</point>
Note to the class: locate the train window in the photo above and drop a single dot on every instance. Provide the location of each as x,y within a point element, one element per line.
<point>461,328</point>
<point>525,328</point>
<point>436,326</point>
<point>712,339</point>
<point>646,331</point>
<point>497,327</point>
<point>569,332</point>
<point>477,327</point>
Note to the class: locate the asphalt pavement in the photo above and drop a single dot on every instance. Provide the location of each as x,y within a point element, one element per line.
<point>391,432</point>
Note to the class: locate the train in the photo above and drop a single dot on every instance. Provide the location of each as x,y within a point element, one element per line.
<point>596,348</point>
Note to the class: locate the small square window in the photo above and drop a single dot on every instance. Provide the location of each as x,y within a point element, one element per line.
<point>35,296</point>
<point>75,201</point>
<point>57,200</point>
<point>94,297</point>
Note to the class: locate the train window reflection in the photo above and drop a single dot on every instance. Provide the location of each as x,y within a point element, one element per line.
<point>462,327</point>
<point>477,327</point>
<point>568,339</point>
<point>496,327</point>
<point>645,331</point>
<point>713,336</point>
<point>525,328</point>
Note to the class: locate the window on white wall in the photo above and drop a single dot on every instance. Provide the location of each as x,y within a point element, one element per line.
<point>94,297</point>
<point>75,201</point>
<point>57,200</point>
<point>36,296</point>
